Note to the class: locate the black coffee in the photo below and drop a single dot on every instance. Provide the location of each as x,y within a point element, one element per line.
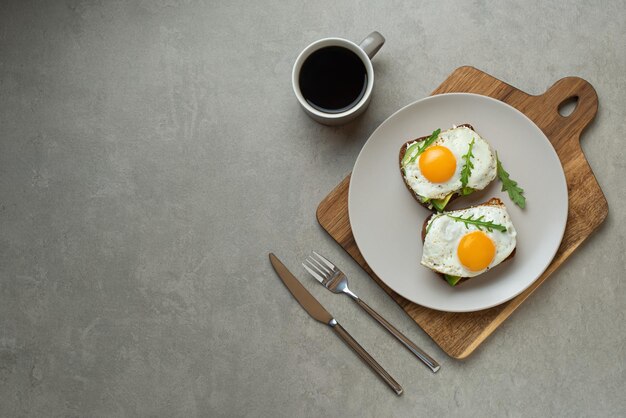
<point>333,79</point>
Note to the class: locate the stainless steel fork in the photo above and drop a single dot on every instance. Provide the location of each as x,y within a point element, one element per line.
<point>334,280</point>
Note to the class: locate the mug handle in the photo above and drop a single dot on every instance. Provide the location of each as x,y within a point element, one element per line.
<point>372,43</point>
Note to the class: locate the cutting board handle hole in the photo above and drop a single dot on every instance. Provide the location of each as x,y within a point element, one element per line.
<point>568,106</point>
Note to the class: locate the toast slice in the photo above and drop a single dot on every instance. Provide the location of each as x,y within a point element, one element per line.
<point>453,280</point>
<point>428,204</point>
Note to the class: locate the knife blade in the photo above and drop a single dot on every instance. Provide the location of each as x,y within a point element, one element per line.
<point>319,313</point>
<point>304,298</point>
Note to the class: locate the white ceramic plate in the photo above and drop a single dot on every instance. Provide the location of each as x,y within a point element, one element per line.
<point>386,221</point>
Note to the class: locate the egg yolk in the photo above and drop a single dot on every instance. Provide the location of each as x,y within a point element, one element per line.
<point>476,251</point>
<point>437,164</point>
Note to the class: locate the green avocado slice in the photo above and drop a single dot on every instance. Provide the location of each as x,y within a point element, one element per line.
<point>440,204</point>
<point>452,280</point>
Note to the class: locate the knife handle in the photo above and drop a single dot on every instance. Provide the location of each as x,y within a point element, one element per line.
<point>369,360</point>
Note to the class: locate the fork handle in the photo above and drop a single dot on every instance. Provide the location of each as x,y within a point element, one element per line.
<point>425,358</point>
<point>369,360</point>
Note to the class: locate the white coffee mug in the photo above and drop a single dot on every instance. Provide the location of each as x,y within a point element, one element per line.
<point>365,51</point>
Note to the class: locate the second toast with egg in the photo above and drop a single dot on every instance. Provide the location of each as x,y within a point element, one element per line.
<point>448,247</point>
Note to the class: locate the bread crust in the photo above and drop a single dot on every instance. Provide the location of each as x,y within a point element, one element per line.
<point>494,201</point>
<point>403,149</point>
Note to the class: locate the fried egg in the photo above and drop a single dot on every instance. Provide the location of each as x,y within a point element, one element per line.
<point>461,249</point>
<point>436,172</point>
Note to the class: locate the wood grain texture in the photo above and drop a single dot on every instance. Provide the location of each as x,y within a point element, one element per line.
<point>459,334</point>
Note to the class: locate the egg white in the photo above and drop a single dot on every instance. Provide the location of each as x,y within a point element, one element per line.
<point>456,140</point>
<point>445,233</point>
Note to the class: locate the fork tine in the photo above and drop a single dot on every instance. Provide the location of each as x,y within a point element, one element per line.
<point>313,273</point>
<point>328,263</point>
<point>320,266</point>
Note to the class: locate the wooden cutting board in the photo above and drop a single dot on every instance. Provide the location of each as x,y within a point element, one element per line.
<point>459,334</point>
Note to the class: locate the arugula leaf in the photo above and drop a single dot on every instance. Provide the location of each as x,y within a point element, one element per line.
<point>409,153</point>
<point>431,223</point>
<point>479,223</point>
<point>509,185</point>
<point>466,190</point>
<point>428,142</point>
<point>466,171</point>
<point>425,144</point>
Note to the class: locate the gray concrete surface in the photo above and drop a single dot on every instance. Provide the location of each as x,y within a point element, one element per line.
<point>152,153</point>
